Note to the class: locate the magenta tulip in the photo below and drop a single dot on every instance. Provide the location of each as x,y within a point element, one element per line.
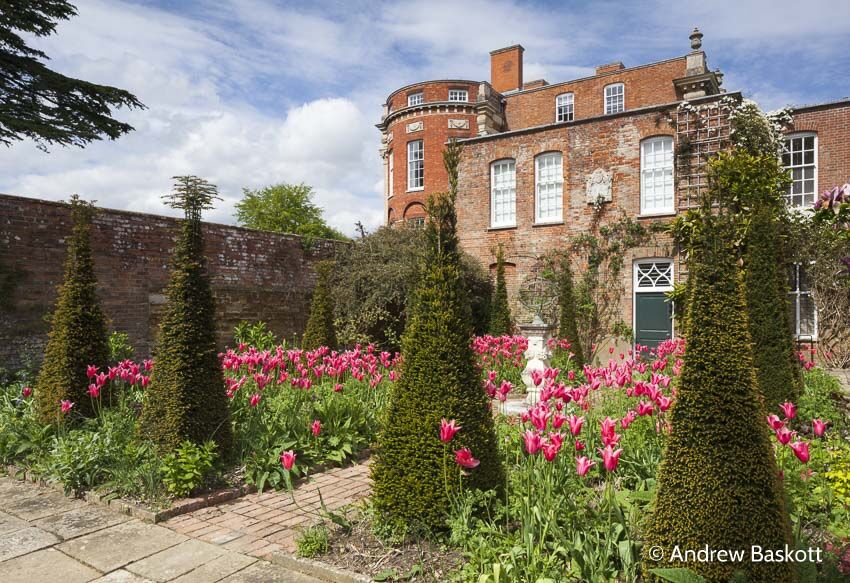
<point>575,424</point>
<point>94,391</point>
<point>448,429</point>
<point>583,465</point>
<point>579,445</point>
<point>65,406</point>
<point>26,392</point>
<point>287,459</point>
<point>463,458</point>
<point>533,443</point>
<point>610,457</point>
<point>255,399</point>
<point>784,435</point>
<point>818,426</point>
<point>801,450</point>
<point>316,427</point>
<point>91,371</point>
<point>789,410</point>
<point>775,422</point>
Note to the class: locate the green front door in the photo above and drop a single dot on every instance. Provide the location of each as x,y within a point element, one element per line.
<point>653,318</point>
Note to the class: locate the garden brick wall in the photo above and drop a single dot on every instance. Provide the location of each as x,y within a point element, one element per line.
<point>255,275</point>
<point>831,123</point>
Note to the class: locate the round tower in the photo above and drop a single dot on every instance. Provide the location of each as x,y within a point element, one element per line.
<point>417,123</point>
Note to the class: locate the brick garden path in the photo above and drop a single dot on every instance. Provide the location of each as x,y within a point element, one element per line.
<point>259,524</point>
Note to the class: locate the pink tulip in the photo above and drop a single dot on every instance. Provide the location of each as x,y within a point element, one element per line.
<point>255,399</point>
<point>575,424</point>
<point>627,419</point>
<point>448,429</point>
<point>26,392</point>
<point>611,439</point>
<point>540,416</point>
<point>801,450</point>
<point>609,426</point>
<point>784,435</point>
<point>94,391</point>
<point>775,422</point>
<point>789,409</point>
<point>818,426</point>
<point>463,458</point>
<point>316,427</point>
<point>337,388</point>
<point>65,406</point>
<point>664,403</point>
<point>287,459</point>
<point>645,408</point>
<point>610,457</point>
<point>579,445</point>
<point>536,377</point>
<point>583,465</point>
<point>556,437</point>
<point>550,450</point>
<point>533,443</point>
<point>91,371</point>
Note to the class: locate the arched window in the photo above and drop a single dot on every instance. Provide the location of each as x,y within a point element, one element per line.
<point>656,176</point>
<point>548,188</point>
<point>503,193</point>
<point>615,98</point>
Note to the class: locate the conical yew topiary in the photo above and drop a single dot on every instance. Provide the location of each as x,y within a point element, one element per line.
<point>320,325</point>
<point>414,472</point>
<point>500,310</point>
<point>766,283</point>
<point>718,484</point>
<point>568,324</point>
<point>78,334</point>
<point>186,398</point>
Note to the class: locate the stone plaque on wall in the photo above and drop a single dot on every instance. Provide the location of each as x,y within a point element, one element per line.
<point>458,124</point>
<point>598,186</point>
<point>415,126</point>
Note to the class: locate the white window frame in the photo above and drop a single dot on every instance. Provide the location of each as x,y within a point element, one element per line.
<point>614,98</point>
<point>564,107</point>
<point>461,95</point>
<point>789,196</point>
<point>794,296</point>
<point>390,172</point>
<point>663,171</point>
<point>417,98</point>
<point>415,165</point>
<point>504,188</point>
<point>549,188</point>
<point>636,289</point>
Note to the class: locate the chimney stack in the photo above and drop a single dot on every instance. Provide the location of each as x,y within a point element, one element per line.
<point>506,68</point>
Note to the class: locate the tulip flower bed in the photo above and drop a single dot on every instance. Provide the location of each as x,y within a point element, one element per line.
<point>582,472</point>
<point>291,410</point>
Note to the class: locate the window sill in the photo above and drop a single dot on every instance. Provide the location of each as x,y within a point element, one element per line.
<point>501,228</point>
<point>657,215</point>
<point>420,189</point>
<point>548,224</point>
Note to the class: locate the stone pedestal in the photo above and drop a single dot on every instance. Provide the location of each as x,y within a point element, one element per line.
<point>537,355</point>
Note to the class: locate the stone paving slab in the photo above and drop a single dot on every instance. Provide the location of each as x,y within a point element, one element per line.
<point>116,546</point>
<point>45,503</point>
<point>80,521</point>
<point>217,569</point>
<point>175,561</point>
<point>46,565</point>
<point>25,540</point>
<point>122,576</point>
<point>9,523</point>
<point>262,572</point>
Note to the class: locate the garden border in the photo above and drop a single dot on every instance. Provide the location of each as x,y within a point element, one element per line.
<point>181,506</point>
<point>317,569</point>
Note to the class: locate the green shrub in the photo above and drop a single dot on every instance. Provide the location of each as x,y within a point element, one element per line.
<point>414,473</point>
<point>568,324</point>
<point>119,347</point>
<point>717,483</point>
<point>821,398</point>
<point>500,310</point>
<point>78,329</point>
<point>186,398</point>
<point>79,460</point>
<point>320,325</point>
<point>313,541</point>
<point>186,468</point>
<point>256,334</point>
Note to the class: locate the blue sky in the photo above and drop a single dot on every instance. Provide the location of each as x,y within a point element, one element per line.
<point>247,93</point>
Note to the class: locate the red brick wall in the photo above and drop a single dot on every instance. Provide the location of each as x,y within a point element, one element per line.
<point>831,123</point>
<point>644,86</point>
<point>255,275</point>
<point>404,204</point>
<point>611,144</point>
<point>506,68</point>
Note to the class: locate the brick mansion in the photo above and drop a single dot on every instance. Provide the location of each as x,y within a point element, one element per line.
<point>539,159</point>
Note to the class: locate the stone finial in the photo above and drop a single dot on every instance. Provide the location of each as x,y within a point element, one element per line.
<point>696,39</point>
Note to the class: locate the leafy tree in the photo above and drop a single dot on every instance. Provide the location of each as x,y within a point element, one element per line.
<point>718,482</point>
<point>320,325</point>
<point>186,399</point>
<point>568,323</point>
<point>284,208</point>
<point>500,312</point>
<point>414,473</point>
<point>78,336</point>
<point>374,280</point>
<point>41,104</point>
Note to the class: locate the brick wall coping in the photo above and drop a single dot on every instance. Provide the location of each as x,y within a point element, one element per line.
<point>155,217</point>
<point>838,103</point>
<point>586,120</point>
